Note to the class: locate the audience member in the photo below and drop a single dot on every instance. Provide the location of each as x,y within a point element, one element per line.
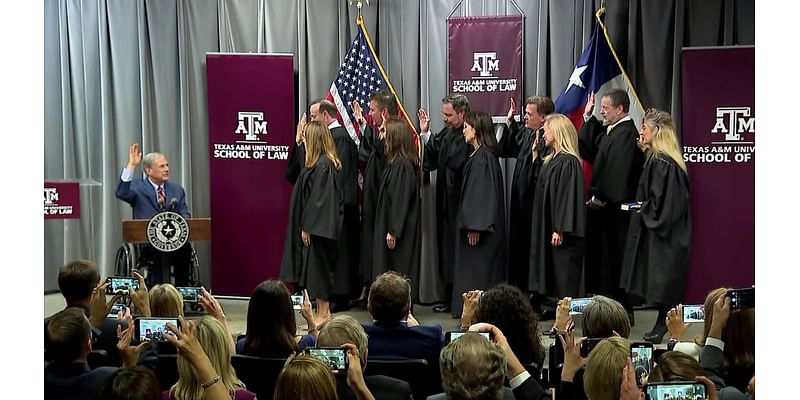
<point>136,383</point>
<point>213,337</point>
<point>395,332</point>
<point>473,368</point>
<point>605,317</point>
<point>604,366</point>
<point>165,301</point>
<point>346,329</point>
<point>305,377</point>
<point>271,324</point>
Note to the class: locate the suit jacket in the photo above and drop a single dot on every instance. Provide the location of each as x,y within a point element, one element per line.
<point>105,338</point>
<point>141,195</point>
<point>382,388</point>
<point>399,341</point>
<point>74,381</point>
<point>713,362</point>
<point>507,395</point>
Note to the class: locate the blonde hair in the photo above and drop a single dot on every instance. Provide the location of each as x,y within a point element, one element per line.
<point>564,134</point>
<point>603,374</point>
<point>472,368</point>
<point>165,301</point>
<point>319,141</point>
<point>665,137</point>
<point>306,377</point>
<point>215,342</point>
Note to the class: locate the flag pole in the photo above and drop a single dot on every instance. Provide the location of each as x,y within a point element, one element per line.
<point>598,15</point>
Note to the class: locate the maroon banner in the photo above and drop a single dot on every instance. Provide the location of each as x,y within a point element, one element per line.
<point>485,61</point>
<point>718,125</point>
<point>62,200</point>
<point>251,130</point>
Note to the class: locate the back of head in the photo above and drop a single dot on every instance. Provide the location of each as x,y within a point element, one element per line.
<point>459,102</point>
<point>389,298</point>
<point>603,375</point>
<point>676,366</point>
<point>505,307</point>
<point>213,337</point>
<point>484,129</point>
<point>69,332</point>
<point>319,142</point>
<point>305,378</point>
<point>385,99</point>
<point>400,141</point>
<point>137,383</point>
<point>344,329</point>
<point>326,106</point>
<point>544,105</point>
<point>619,97</point>
<point>739,333</point>
<point>472,368</point>
<point>165,301</point>
<point>270,321</point>
<point>603,316</point>
<point>77,279</point>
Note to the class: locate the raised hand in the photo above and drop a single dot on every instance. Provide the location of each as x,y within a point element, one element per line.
<point>675,324</point>
<point>471,300</point>
<point>573,361</point>
<point>140,297</point>
<point>589,104</point>
<point>424,120</point>
<point>135,156</point>
<point>308,313</point>
<point>562,314</point>
<point>301,126</point>
<point>358,113</point>
<point>98,305</point>
<point>128,353</point>
<point>512,111</point>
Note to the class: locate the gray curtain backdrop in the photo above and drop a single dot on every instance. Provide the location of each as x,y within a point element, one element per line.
<point>120,71</point>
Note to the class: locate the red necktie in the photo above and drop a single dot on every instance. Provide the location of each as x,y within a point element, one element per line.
<point>162,198</point>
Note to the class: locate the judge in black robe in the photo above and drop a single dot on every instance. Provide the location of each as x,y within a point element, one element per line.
<point>371,152</point>
<point>657,251</point>
<point>559,214</point>
<point>346,277</point>
<point>480,252</point>
<point>396,240</point>
<point>617,162</point>
<point>315,208</point>
<point>517,142</point>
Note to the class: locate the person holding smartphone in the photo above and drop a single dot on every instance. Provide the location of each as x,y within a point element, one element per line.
<point>657,251</point>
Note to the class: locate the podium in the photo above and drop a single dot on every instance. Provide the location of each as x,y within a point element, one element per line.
<point>134,231</point>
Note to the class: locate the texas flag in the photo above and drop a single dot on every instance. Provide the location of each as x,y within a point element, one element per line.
<point>598,70</point>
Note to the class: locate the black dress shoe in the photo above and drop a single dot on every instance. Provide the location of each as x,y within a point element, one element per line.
<point>441,308</point>
<point>655,336</point>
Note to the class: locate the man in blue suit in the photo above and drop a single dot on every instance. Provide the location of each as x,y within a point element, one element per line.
<point>149,197</point>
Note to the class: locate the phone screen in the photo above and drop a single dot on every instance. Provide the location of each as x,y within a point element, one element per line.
<point>693,313</point>
<point>190,294</point>
<point>297,301</point>
<point>676,390</point>
<point>115,309</point>
<point>588,345</point>
<point>642,359</point>
<point>742,298</point>
<point>576,306</point>
<point>335,358</point>
<point>121,285</point>
<point>154,329</point>
<point>452,336</point>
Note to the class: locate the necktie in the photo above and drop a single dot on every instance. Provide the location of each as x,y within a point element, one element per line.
<point>162,198</point>
<point>608,129</point>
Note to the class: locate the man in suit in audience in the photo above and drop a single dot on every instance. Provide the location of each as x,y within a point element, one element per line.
<point>395,332</point>
<point>346,329</point>
<point>69,375</point>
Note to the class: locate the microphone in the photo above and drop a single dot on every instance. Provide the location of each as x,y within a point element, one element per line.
<point>173,202</point>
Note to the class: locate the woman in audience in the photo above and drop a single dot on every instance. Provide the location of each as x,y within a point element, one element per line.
<point>165,301</point>
<point>657,251</point>
<point>213,338</point>
<point>308,377</point>
<point>604,365</point>
<point>676,366</point>
<point>135,383</point>
<point>271,325</point>
<point>505,307</point>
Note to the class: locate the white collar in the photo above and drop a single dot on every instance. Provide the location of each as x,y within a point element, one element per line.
<point>334,124</point>
<point>625,118</point>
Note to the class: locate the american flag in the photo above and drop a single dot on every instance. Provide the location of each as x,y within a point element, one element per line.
<point>360,75</point>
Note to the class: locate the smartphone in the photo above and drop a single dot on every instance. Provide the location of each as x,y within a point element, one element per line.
<point>588,345</point>
<point>115,309</point>
<point>121,285</point>
<point>151,329</point>
<point>642,359</point>
<point>190,294</point>
<point>297,301</point>
<point>742,298</point>
<point>335,357</point>
<point>451,336</point>
<point>693,313</point>
<point>675,390</point>
<point>576,306</point>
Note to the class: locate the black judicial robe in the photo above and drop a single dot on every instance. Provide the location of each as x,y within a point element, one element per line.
<point>558,206</point>
<point>371,153</point>
<point>517,144</point>
<point>296,162</point>
<point>315,207</point>
<point>398,213</point>
<point>616,167</point>
<point>481,209</point>
<point>657,252</point>
<point>346,280</point>
<point>446,153</point>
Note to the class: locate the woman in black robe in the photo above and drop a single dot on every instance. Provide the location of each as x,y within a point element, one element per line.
<point>559,214</point>
<point>396,239</point>
<point>480,253</point>
<point>315,220</point>
<point>657,250</point>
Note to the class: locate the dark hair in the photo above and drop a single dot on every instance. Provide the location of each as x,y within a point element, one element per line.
<point>389,297</point>
<point>77,279</point>
<point>544,105</point>
<point>326,106</point>
<point>484,129</point>
<point>137,383</point>
<point>385,99</point>
<point>459,102</point>
<point>505,307</point>
<point>400,142</point>
<point>68,331</point>
<point>619,97</point>
<point>676,366</point>
<point>270,321</point>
